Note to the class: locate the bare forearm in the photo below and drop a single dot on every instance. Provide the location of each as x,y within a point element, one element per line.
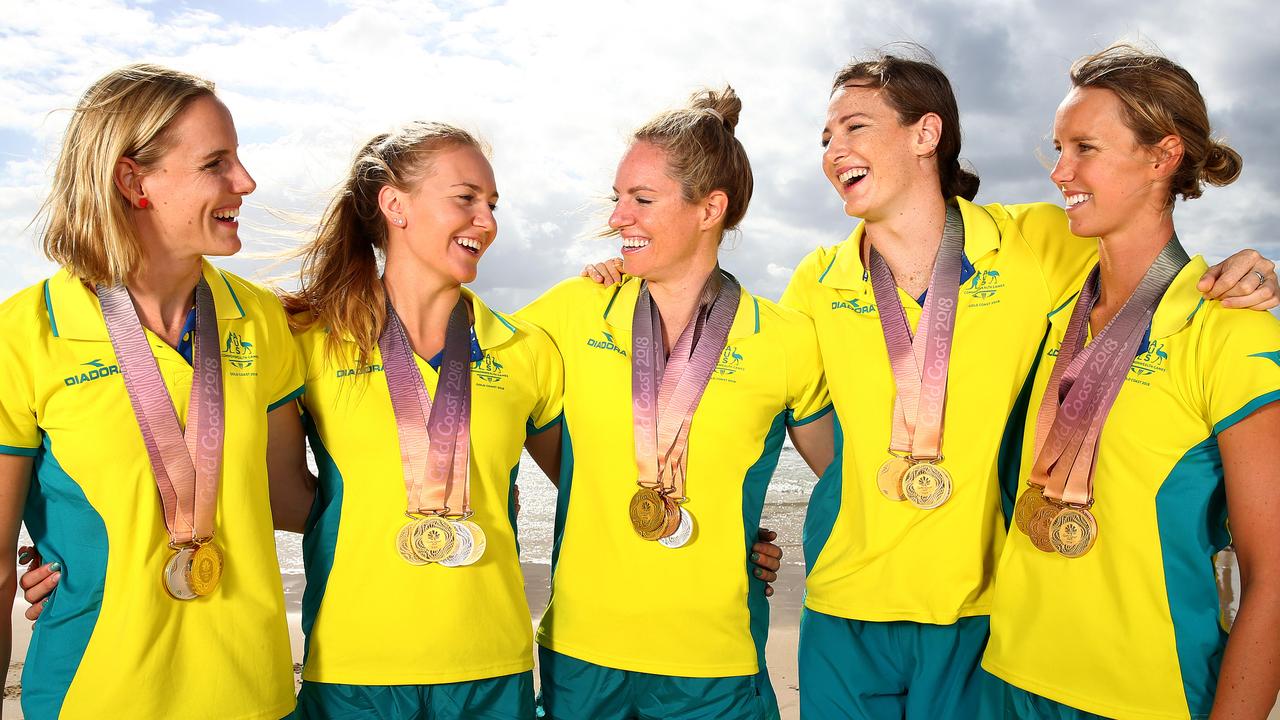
<point>1250,676</point>
<point>544,448</point>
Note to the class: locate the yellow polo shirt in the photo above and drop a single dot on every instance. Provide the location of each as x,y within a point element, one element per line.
<point>872,559</point>
<point>623,602</point>
<point>1131,629</point>
<point>425,624</point>
<point>111,642</point>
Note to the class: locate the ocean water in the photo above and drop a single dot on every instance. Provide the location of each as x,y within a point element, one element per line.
<point>783,512</point>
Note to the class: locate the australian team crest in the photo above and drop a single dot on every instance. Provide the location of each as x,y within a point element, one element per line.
<point>730,364</point>
<point>983,288</point>
<point>488,371</point>
<point>238,352</point>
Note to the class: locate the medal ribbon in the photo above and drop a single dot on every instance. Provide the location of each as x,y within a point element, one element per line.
<point>187,464</point>
<point>666,392</point>
<point>435,438</point>
<point>920,363</point>
<point>1087,379</point>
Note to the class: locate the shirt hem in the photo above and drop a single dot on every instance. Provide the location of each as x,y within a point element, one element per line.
<point>1076,702</point>
<point>897,615</point>
<point>652,668</point>
<point>455,676</point>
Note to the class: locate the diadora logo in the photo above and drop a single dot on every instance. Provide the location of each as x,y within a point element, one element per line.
<point>352,372</point>
<point>982,288</point>
<point>854,305</point>
<point>606,344</point>
<point>238,352</point>
<point>97,370</point>
<point>1151,361</point>
<point>488,371</point>
<point>730,364</point>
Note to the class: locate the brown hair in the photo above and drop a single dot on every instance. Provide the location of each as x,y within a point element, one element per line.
<point>87,228</point>
<point>1159,98</point>
<point>914,88</point>
<point>340,288</point>
<point>703,153</point>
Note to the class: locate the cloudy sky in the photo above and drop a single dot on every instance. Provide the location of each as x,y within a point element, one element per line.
<point>555,87</point>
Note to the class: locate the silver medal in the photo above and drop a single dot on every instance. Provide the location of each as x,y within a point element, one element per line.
<point>681,536</point>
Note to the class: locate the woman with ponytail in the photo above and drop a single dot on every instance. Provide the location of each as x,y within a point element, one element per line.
<point>419,398</point>
<point>1106,601</point>
<point>678,387</point>
<point>929,318</point>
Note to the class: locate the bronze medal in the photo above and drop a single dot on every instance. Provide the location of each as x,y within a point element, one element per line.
<point>673,516</point>
<point>926,485</point>
<point>1073,531</point>
<point>1028,502</point>
<point>206,568</point>
<point>889,477</point>
<point>1038,527</point>
<point>177,573</point>
<point>683,532</point>
<point>432,539</point>
<point>649,513</point>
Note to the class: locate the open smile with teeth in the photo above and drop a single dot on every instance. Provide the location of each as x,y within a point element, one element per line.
<point>1077,199</point>
<point>471,245</point>
<point>226,215</point>
<point>634,243</point>
<point>852,176</point>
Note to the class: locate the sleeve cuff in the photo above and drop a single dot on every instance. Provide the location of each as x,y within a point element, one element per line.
<point>531,429</point>
<point>1246,411</point>
<point>15,450</point>
<point>287,398</point>
<point>793,422</point>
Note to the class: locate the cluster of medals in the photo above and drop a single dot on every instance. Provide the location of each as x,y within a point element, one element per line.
<point>914,469</point>
<point>435,445</point>
<point>1054,509</point>
<point>187,464</point>
<point>665,392</point>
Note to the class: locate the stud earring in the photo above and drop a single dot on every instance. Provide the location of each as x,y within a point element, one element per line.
<point>143,203</point>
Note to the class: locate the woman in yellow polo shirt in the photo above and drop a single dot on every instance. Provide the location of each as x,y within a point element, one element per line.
<point>450,636</point>
<point>902,536</point>
<point>1106,602</point>
<point>654,610</point>
<point>164,554</point>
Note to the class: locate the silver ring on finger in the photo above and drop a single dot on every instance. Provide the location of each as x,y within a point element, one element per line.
<point>1262,279</point>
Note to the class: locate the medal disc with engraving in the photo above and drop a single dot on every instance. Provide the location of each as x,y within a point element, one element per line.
<point>176,576</point>
<point>1073,531</point>
<point>433,539</point>
<point>889,477</point>
<point>206,568</point>
<point>926,485</point>
<point>649,513</point>
<point>684,531</point>
<point>478,542</point>
<point>404,544</point>
<point>1039,526</point>
<point>463,544</point>
<point>673,517</point>
<point>1028,502</point>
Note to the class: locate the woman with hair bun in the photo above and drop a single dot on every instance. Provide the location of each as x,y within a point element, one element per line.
<point>158,533</point>
<point>678,387</point>
<point>1150,439</point>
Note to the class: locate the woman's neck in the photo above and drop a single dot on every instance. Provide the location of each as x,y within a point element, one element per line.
<point>908,239</point>
<point>1124,257</point>
<point>423,304</point>
<point>163,290</point>
<point>677,297</point>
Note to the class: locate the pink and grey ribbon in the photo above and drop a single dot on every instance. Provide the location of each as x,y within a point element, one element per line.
<point>435,437</point>
<point>920,363</point>
<point>187,465</point>
<point>1087,379</point>
<point>665,392</point>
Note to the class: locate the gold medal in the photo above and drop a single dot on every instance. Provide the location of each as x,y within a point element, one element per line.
<point>926,485</point>
<point>478,542</point>
<point>889,477</point>
<point>404,544</point>
<point>649,513</point>
<point>1028,502</point>
<point>432,539</point>
<point>1038,527</point>
<point>206,568</point>
<point>176,576</point>
<point>1073,531</point>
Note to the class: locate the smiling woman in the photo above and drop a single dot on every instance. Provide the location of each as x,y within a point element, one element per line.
<point>147,184</point>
